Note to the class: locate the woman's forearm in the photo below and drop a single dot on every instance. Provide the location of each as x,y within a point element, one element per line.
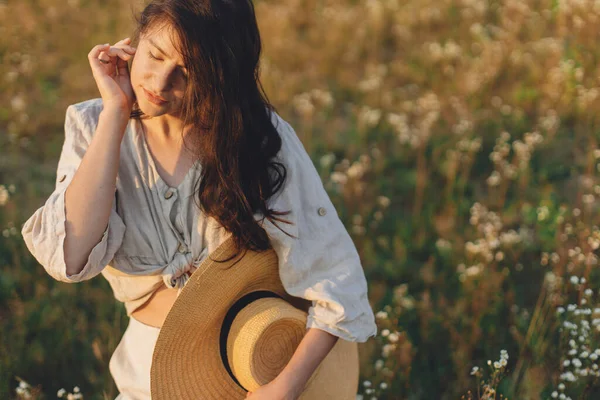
<point>313,348</point>
<point>90,194</point>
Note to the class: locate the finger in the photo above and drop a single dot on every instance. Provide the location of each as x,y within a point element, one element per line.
<point>96,50</point>
<point>117,52</point>
<point>122,67</point>
<point>98,65</point>
<point>124,55</point>
<point>128,49</point>
<point>122,41</point>
<point>125,47</point>
<point>103,57</point>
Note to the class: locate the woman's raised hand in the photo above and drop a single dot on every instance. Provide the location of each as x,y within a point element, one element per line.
<point>111,72</point>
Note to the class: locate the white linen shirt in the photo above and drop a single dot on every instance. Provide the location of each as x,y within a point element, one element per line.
<point>155,232</point>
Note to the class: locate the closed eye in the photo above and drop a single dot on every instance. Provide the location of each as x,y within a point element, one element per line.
<point>183,73</point>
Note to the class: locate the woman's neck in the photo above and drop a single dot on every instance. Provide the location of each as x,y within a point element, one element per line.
<point>165,129</point>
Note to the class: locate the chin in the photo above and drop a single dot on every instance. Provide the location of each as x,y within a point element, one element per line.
<point>151,109</point>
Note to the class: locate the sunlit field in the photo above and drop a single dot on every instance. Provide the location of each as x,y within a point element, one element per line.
<point>458,140</point>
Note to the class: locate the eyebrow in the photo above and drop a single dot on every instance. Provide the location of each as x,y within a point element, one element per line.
<point>162,51</point>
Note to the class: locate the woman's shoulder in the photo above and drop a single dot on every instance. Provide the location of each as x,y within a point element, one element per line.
<point>87,111</point>
<point>283,127</point>
<point>289,138</point>
<point>293,151</point>
<point>81,119</point>
<point>89,106</point>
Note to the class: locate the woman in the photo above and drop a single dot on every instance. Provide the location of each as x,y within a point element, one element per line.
<point>188,122</point>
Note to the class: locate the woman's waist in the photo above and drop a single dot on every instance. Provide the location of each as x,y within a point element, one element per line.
<point>147,298</point>
<point>155,310</point>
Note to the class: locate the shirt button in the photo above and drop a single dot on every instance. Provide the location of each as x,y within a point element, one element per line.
<point>169,194</point>
<point>182,248</point>
<point>62,178</point>
<point>322,211</point>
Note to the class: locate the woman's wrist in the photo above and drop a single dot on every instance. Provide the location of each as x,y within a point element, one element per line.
<point>293,386</point>
<point>115,112</point>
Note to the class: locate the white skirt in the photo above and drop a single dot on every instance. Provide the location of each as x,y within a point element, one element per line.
<point>130,363</point>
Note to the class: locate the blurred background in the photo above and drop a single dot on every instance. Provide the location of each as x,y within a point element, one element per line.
<point>458,140</point>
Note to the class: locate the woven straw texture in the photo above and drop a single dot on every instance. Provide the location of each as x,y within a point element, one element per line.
<point>187,363</point>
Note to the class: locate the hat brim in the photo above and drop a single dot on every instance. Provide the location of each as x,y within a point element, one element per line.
<point>187,362</point>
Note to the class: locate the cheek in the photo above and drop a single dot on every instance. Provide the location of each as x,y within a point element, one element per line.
<point>133,71</point>
<point>137,69</point>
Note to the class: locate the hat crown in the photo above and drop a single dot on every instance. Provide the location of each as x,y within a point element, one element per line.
<point>198,349</point>
<point>263,338</point>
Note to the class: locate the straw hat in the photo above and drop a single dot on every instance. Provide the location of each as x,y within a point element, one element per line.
<point>233,328</point>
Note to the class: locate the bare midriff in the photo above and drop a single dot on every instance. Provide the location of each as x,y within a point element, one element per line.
<point>154,311</point>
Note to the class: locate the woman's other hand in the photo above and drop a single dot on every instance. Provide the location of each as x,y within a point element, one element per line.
<point>111,72</point>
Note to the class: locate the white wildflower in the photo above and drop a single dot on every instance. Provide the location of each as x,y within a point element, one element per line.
<point>381,315</point>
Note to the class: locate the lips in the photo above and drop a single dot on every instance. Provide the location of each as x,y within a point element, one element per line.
<point>153,98</point>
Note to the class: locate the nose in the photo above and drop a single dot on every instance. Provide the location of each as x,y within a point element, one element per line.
<point>162,81</point>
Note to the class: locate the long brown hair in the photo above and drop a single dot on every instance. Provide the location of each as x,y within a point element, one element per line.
<point>225,102</point>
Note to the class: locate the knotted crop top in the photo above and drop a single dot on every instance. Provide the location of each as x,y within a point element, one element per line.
<point>156,233</point>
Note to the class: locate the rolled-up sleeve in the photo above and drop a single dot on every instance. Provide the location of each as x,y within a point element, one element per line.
<point>44,232</point>
<point>321,264</point>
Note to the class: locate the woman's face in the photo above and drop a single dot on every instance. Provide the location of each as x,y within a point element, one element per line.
<point>157,69</point>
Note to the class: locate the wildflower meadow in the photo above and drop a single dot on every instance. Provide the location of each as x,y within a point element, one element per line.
<point>458,140</point>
